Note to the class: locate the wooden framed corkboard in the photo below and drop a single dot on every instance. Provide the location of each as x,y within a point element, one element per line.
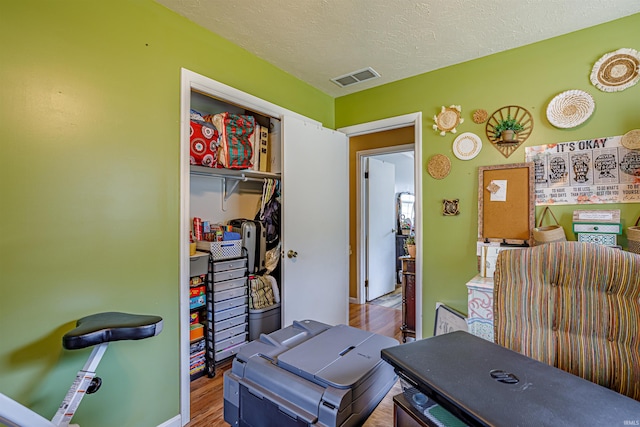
<point>506,203</point>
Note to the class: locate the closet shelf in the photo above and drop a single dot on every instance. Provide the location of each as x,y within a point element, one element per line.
<point>236,174</point>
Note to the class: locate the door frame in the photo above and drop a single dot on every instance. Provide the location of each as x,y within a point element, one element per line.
<point>190,80</point>
<point>361,212</point>
<point>415,120</point>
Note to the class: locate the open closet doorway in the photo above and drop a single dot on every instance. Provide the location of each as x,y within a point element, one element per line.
<point>397,134</point>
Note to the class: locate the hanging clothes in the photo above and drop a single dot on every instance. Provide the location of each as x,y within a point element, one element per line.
<point>270,208</point>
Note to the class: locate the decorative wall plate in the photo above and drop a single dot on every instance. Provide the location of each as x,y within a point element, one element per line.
<point>448,119</point>
<point>439,166</point>
<point>570,109</point>
<point>631,139</point>
<point>467,145</point>
<point>616,71</point>
<point>480,116</point>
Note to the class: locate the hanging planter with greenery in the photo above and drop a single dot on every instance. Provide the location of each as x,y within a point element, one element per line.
<point>506,129</point>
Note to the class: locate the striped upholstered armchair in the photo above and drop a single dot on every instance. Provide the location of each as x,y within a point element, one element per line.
<point>575,306</point>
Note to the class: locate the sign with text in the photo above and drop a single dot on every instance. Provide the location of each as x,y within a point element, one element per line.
<point>585,172</point>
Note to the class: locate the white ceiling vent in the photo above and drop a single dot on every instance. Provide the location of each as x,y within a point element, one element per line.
<point>356,77</point>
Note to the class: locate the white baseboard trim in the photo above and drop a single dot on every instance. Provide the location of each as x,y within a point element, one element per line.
<point>173,422</point>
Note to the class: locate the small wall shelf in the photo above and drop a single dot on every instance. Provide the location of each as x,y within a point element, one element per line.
<point>521,115</point>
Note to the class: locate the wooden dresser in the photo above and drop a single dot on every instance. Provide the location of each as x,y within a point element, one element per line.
<point>408,327</point>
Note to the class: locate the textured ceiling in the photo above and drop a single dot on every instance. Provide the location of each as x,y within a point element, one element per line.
<point>316,40</point>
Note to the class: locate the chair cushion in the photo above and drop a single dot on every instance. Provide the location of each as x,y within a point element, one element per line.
<point>575,306</point>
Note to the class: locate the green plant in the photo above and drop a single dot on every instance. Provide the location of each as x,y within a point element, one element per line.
<point>410,240</point>
<point>507,124</point>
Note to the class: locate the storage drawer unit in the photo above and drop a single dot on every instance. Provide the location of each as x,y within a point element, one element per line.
<point>228,314</point>
<point>219,276</point>
<point>229,294</point>
<point>230,332</point>
<point>601,227</point>
<point>239,318</point>
<point>228,352</point>
<point>231,264</point>
<point>230,303</point>
<point>579,227</point>
<point>598,233</point>
<point>231,342</point>
<point>228,308</point>
<point>230,284</point>
<point>598,238</point>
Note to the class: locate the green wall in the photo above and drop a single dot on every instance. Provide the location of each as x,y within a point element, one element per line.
<point>89,190</point>
<point>529,77</point>
<point>89,214</point>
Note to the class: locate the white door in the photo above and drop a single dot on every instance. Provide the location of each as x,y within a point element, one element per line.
<point>315,195</point>
<point>381,224</point>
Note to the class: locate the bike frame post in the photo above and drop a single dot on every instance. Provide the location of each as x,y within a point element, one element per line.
<point>79,387</point>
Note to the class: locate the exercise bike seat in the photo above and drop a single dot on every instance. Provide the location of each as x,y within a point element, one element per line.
<point>111,326</point>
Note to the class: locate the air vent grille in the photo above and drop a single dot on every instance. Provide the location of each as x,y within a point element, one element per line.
<point>355,77</point>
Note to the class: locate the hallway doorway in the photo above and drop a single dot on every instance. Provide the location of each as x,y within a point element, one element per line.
<point>392,132</point>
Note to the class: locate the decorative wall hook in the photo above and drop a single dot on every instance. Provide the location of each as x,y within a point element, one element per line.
<point>450,207</point>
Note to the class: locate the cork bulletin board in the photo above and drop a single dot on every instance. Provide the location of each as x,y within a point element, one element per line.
<point>506,203</point>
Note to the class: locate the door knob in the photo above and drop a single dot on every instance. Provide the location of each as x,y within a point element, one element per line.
<point>292,254</point>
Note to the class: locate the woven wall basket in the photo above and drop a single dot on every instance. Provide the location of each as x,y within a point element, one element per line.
<point>550,233</point>
<point>570,109</point>
<point>633,237</point>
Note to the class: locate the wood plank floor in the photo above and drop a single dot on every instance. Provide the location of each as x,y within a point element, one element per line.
<point>207,393</point>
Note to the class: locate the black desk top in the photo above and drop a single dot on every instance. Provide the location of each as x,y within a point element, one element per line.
<point>456,369</point>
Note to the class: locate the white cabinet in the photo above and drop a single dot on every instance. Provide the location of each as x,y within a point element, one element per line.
<point>480,307</point>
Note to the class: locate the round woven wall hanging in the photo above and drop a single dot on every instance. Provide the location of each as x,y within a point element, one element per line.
<point>448,119</point>
<point>631,139</point>
<point>616,71</point>
<point>439,166</point>
<point>480,116</point>
<point>570,109</point>
<point>467,145</point>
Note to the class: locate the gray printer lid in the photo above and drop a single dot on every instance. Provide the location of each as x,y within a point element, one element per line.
<point>340,356</point>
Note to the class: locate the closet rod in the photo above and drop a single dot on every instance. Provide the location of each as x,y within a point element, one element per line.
<point>241,177</point>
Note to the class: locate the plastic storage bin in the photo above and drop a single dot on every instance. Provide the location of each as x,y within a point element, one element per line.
<point>263,321</point>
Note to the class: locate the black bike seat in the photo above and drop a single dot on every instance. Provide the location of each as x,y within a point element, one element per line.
<point>111,326</point>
